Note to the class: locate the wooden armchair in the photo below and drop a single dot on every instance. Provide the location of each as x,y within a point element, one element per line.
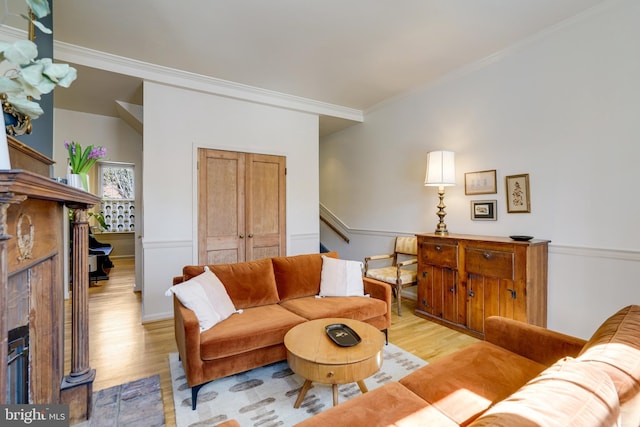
<point>405,254</point>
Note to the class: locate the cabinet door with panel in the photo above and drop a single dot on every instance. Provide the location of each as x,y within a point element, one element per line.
<point>495,285</point>
<point>438,288</point>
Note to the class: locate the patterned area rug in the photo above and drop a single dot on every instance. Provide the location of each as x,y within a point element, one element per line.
<point>265,396</point>
<point>137,403</point>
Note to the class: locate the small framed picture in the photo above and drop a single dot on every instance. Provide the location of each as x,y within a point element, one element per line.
<point>518,196</point>
<point>483,182</point>
<point>484,210</point>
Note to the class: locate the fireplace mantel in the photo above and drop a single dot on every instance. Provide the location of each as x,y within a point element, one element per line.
<point>32,249</point>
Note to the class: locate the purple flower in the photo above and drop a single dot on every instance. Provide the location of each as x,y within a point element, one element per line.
<point>80,160</point>
<point>97,153</point>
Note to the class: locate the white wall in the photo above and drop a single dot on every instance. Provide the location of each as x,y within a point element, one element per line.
<point>178,122</point>
<point>562,107</point>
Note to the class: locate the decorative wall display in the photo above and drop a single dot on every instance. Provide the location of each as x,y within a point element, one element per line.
<point>483,182</point>
<point>518,196</point>
<point>484,210</point>
<point>119,215</point>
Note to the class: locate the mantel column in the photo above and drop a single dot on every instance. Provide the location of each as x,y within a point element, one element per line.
<point>78,385</point>
<point>4,273</point>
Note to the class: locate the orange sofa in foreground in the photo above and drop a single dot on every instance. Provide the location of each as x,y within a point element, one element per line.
<point>521,375</point>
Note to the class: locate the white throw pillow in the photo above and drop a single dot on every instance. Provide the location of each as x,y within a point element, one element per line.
<point>206,296</point>
<point>341,278</point>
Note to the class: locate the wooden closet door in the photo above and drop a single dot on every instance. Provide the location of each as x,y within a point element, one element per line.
<point>221,196</point>
<point>241,206</point>
<point>265,206</point>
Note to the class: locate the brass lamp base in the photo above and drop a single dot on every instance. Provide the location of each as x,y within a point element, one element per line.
<point>444,232</point>
<point>441,229</point>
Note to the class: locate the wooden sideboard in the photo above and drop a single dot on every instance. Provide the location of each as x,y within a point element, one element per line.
<point>32,249</point>
<point>463,279</point>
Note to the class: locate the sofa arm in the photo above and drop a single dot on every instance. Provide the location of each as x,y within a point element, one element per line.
<point>533,342</point>
<point>187,333</point>
<point>379,290</point>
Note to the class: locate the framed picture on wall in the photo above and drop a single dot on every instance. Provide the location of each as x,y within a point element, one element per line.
<point>484,210</point>
<point>518,196</point>
<point>483,182</point>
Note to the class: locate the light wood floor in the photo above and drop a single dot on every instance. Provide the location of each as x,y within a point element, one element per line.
<point>122,349</point>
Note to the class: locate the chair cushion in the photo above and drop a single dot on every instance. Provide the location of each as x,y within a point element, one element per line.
<point>407,245</point>
<point>299,275</point>
<point>615,346</point>
<point>249,284</point>
<point>471,380</point>
<point>568,394</point>
<point>358,308</point>
<point>254,328</point>
<point>389,275</point>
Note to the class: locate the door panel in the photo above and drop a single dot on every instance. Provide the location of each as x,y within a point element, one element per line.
<point>221,207</point>
<point>265,206</point>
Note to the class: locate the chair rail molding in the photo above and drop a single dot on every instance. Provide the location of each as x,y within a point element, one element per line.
<point>602,253</point>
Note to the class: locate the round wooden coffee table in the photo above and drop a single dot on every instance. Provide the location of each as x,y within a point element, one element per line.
<point>315,357</point>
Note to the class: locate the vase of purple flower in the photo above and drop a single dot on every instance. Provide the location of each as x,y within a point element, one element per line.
<point>80,163</point>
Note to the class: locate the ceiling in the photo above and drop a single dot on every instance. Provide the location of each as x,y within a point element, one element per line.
<point>351,53</point>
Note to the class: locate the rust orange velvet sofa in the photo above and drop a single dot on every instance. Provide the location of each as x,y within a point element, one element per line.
<point>275,294</point>
<point>521,375</point>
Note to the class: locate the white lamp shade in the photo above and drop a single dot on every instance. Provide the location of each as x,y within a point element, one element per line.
<point>441,169</point>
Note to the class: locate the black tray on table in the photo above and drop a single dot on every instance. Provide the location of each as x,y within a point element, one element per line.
<point>342,335</point>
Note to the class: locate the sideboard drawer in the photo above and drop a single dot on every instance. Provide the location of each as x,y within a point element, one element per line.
<point>489,263</point>
<point>439,254</point>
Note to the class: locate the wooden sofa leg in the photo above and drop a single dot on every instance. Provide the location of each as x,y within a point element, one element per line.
<point>194,395</point>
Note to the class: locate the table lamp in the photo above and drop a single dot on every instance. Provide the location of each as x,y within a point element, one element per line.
<point>441,172</point>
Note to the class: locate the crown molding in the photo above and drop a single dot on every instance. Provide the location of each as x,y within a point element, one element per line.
<point>66,52</point>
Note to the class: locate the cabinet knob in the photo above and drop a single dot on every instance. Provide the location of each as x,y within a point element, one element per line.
<point>330,374</point>
<point>487,255</point>
<point>241,236</point>
<point>452,289</point>
<point>424,274</point>
<point>472,294</point>
<point>513,293</point>
<point>438,248</point>
<point>250,235</point>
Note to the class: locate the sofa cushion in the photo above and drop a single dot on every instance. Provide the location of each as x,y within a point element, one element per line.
<point>389,405</point>
<point>615,346</point>
<point>249,284</point>
<point>358,308</point>
<point>341,278</point>
<point>567,394</point>
<point>299,275</point>
<point>470,380</point>
<point>206,296</point>
<point>255,328</point>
